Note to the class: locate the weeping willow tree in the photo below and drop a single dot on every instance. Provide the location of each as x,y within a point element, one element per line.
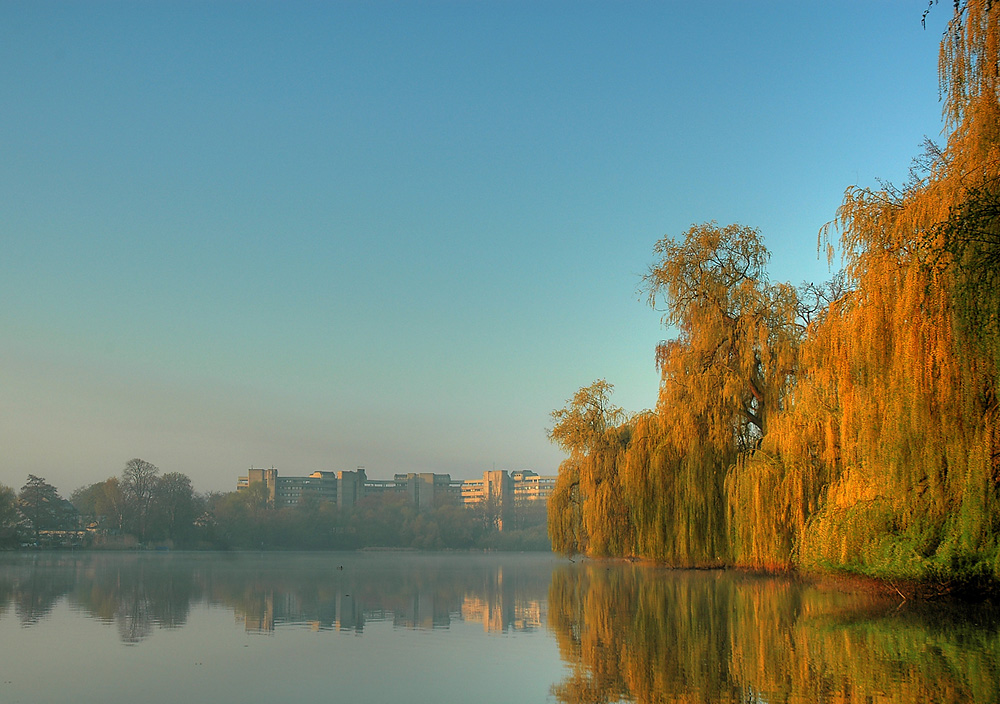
<point>915,490</point>
<point>653,485</point>
<point>774,490</point>
<point>723,378</point>
<point>885,460</point>
<point>860,432</point>
<point>586,514</point>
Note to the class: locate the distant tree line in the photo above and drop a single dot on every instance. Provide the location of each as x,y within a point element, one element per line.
<point>243,519</point>
<point>38,507</point>
<point>143,507</point>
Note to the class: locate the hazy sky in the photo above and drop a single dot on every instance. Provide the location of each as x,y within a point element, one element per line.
<point>398,234</point>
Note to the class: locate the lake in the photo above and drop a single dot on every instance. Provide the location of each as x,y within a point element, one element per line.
<point>426,627</point>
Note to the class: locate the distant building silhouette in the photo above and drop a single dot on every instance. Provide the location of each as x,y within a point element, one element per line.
<point>501,488</point>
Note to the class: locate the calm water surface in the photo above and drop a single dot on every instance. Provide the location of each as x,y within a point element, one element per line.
<point>409,627</point>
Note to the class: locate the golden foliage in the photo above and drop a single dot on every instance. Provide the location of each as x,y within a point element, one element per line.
<point>585,511</point>
<point>860,432</point>
<point>646,635</point>
<point>913,487</point>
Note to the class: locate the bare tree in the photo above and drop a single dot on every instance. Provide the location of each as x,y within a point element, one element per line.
<point>139,482</point>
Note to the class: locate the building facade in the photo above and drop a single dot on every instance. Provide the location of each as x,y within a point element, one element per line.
<point>291,491</point>
<point>501,491</point>
<point>529,486</point>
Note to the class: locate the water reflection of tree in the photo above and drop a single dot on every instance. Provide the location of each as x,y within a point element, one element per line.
<point>649,636</point>
<point>627,636</point>
<point>35,586</point>
<point>137,593</point>
<point>132,612</point>
<point>6,592</point>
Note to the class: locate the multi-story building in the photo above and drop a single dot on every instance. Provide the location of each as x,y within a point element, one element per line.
<point>425,489</point>
<point>351,487</point>
<point>267,477</point>
<point>530,486</point>
<point>494,493</point>
<point>502,490</point>
<point>290,491</point>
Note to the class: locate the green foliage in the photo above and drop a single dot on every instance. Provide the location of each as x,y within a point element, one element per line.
<point>42,505</point>
<point>244,520</point>
<point>173,508</point>
<point>9,518</point>
<point>247,519</point>
<point>143,504</point>
<point>971,235</point>
<point>86,499</point>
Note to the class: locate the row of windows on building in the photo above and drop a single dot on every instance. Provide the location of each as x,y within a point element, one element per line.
<point>423,489</point>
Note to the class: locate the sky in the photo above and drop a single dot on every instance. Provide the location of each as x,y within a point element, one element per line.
<point>398,235</point>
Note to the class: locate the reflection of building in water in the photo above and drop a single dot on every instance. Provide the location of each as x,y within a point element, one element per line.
<point>348,616</point>
<point>496,617</point>
<point>496,604</point>
<point>528,615</point>
<point>504,490</point>
<point>499,609</point>
<point>258,613</point>
<point>422,610</point>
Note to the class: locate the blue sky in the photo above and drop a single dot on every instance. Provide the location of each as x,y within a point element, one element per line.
<point>398,235</point>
